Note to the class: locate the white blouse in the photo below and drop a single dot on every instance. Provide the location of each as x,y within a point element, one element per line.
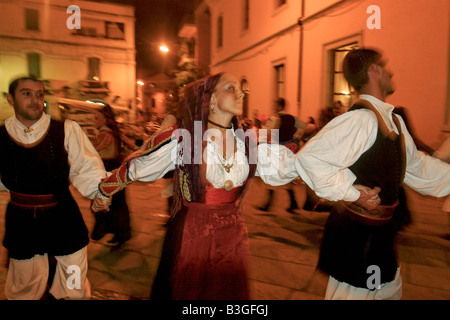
<point>275,164</point>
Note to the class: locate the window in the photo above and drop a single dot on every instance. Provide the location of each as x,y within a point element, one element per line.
<point>339,88</point>
<point>34,64</point>
<point>220,32</point>
<point>95,28</point>
<point>94,69</point>
<point>31,19</point>
<point>279,80</point>
<point>246,15</point>
<point>115,30</point>
<point>279,3</point>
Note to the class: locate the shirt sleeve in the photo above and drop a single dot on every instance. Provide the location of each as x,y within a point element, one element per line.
<point>2,186</point>
<point>86,166</point>
<point>155,165</point>
<point>275,164</point>
<point>425,174</point>
<point>323,162</point>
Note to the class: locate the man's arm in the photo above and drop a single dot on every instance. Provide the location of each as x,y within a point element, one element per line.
<point>424,174</point>
<point>86,166</point>
<point>323,162</point>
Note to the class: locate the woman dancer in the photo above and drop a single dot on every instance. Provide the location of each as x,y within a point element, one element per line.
<point>206,247</point>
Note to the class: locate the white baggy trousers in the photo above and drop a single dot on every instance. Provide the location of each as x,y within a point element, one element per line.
<point>27,279</point>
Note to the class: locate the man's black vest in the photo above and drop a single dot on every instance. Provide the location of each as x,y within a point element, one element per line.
<point>350,247</point>
<point>40,169</point>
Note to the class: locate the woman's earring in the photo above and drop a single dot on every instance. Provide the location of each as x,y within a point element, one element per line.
<point>212,106</point>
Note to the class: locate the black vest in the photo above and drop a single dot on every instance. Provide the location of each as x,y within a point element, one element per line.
<point>36,170</point>
<point>287,128</point>
<point>350,247</point>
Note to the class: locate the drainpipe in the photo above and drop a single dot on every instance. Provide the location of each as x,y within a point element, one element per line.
<point>300,59</point>
<point>301,22</point>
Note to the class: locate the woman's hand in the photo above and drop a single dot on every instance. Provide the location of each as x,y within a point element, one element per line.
<point>99,204</point>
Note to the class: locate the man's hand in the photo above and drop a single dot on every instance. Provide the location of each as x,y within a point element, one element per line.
<point>99,204</point>
<point>368,198</point>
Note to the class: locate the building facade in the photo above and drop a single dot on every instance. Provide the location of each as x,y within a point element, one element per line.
<point>294,49</point>
<point>81,49</point>
<point>258,41</point>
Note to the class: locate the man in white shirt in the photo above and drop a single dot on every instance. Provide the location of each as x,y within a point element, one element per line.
<point>40,157</point>
<point>359,160</point>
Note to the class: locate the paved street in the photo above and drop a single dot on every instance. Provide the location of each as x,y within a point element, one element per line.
<point>284,249</point>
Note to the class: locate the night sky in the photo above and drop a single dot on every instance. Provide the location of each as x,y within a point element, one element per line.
<point>157,21</point>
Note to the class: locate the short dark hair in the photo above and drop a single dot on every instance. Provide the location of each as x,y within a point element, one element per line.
<point>355,66</point>
<point>281,102</point>
<point>15,83</point>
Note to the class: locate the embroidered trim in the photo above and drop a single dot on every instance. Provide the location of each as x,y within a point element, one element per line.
<point>118,180</point>
<point>184,186</point>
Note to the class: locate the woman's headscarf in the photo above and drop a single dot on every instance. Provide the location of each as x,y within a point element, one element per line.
<point>194,106</point>
<point>189,179</point>
<point>111,123</point>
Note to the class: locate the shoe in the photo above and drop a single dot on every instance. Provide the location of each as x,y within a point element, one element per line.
<point>293,202</point>
<point>117,241</point>
<point>112,243</point>
<point>100,228</point>
<point>96,236</point>
<point>265,208</point>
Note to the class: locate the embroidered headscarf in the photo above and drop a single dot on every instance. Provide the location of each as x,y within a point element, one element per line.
<point>194,106</point>
<point>189,179</point>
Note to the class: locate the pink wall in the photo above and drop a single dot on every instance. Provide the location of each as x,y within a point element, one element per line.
<point>414,36</point>
<point>256,62</point>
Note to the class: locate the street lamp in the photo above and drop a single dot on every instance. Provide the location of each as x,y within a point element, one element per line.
<point>139,94</point>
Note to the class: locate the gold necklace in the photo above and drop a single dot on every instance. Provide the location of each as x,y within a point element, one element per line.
<point>227,167</point>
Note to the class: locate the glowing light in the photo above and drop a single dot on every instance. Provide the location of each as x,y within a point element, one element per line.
<point>163,48</point>
<point>95,102</point>
<point>345,92</point>
<point>139,82</point>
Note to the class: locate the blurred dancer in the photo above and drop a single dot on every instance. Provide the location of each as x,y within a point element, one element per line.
<point>288,127</point>
<point>108,144</point>
<point>371,146</point>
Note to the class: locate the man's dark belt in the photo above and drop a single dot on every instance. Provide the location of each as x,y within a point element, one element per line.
<point>32,201</point>
<point>376,217</point>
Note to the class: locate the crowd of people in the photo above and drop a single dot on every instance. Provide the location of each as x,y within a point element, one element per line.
<point>357,161</point>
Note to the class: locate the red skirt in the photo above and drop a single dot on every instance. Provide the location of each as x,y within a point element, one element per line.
<point>205,254</point>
